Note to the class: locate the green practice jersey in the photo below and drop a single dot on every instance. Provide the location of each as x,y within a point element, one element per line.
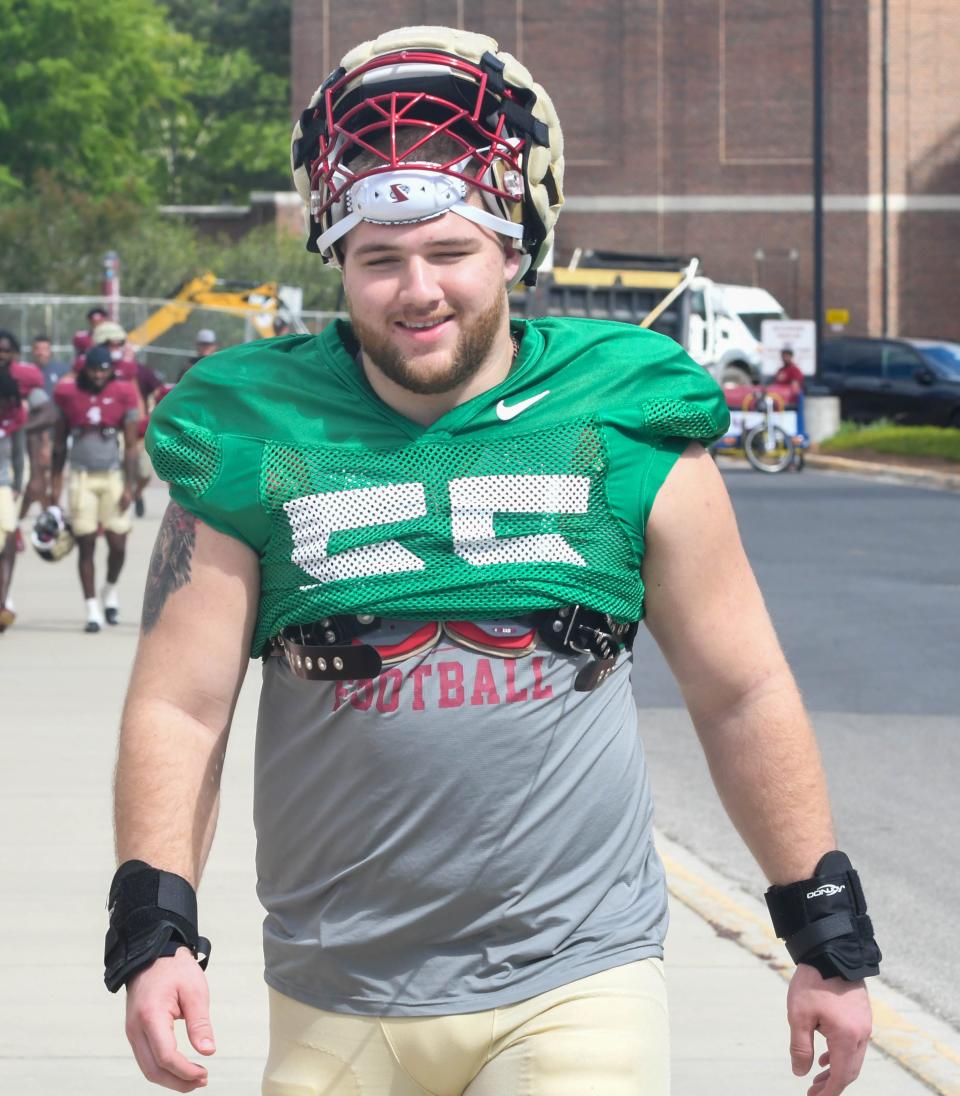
<point>531,495</point>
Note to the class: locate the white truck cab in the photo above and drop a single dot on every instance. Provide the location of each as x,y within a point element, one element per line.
<point>723,332</point>
<point>716,323</point>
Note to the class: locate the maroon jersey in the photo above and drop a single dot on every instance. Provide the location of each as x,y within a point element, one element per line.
<point>12,418</point>
<point>82,341</point>
<point>107,408</point>
<point>27,376</point>
<point>791,373</point>
<point>126,369</point>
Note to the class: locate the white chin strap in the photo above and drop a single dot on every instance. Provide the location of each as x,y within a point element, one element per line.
<point>407,197</point>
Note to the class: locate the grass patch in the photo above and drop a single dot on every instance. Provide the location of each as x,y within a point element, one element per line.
<point>940,442</point>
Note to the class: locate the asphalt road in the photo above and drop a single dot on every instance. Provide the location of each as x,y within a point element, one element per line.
<point>60,1032</point>
<point>862,579</point>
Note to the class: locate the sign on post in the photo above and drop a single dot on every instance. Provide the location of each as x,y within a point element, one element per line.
<point>800,336</point>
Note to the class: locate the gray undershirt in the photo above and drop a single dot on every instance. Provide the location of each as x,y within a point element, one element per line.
<point>460,834</point>
<point>97,450</point>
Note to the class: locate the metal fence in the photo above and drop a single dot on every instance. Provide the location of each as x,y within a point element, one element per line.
<point>27,315</point>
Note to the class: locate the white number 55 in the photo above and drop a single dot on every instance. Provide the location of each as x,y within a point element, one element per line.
<point>474,500</point>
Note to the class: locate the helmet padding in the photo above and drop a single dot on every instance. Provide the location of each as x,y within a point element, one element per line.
<point>393,95</point>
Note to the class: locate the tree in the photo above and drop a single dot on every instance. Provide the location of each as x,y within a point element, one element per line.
<point>236,136</point>
<point>259,27</point>
<point>89,91</point>
<point>53,241</point>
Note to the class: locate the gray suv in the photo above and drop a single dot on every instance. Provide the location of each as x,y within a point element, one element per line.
<point>912,381</point>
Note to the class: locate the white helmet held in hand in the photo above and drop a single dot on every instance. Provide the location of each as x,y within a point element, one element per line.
<point>52,536</point>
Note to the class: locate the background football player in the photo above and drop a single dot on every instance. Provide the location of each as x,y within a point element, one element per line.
<point>40,413</point>
<point>98,412</point>
<point>13,417</point>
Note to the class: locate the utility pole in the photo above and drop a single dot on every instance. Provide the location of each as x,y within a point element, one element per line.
<point>818,313</point>
<point>885,167</point>
<point>111,284</point>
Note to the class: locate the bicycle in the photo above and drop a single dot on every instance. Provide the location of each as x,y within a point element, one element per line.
<point>766,445</point>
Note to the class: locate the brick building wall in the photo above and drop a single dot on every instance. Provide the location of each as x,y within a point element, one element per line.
<point>688,131</point>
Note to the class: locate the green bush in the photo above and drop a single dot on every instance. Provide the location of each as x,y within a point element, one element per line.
<point>940,442</point>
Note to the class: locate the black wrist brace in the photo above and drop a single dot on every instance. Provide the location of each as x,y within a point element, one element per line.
<point>152,913</point>
<point>824,921</point>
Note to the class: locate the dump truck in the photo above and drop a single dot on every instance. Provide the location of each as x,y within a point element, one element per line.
<point>718,324</point>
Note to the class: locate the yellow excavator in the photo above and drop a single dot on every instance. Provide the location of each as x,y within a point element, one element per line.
<point>259,303</point>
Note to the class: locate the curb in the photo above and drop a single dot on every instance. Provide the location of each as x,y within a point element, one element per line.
<point>895,473</point>
<point>920,1042</point>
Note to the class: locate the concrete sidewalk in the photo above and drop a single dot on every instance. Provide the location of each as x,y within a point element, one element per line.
<point>62,1033</point>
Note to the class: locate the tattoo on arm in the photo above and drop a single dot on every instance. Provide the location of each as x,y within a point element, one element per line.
<point>170,563</point>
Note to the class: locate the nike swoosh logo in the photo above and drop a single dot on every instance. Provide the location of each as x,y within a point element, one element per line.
<point>505,414</point>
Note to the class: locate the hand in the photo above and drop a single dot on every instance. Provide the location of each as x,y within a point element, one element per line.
<point>125,499</point>
<point>840,1011</point>
<point>171,988</point>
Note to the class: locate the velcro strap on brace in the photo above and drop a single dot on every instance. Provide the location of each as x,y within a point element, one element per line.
<point>824,922</point>
<point>152,913</point>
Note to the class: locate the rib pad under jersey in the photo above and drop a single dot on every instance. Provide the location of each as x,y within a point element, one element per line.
<point>461,833</point>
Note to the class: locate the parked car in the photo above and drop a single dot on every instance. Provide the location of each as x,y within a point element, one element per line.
<point>912,381</point>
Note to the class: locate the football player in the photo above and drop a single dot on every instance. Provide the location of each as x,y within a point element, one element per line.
<point>456,859</point>
<point>40,413</point>
<point>114,337</point>
<point>98,413</point>
<point>39,436</point>
<point>13,417</point>
<point>83,339</point>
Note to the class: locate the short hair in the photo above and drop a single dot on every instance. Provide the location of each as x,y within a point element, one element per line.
<point>97,311</point>
<point>441,148</point>
<point>11,338</point>
<point>42,338</point>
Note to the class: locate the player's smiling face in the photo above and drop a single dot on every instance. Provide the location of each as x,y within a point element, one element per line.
<point>427,301</point>
<point>98,376</point>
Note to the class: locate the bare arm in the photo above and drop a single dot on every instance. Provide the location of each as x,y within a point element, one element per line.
<point>198,613</point>
<point>705,611</point>
<point>131,445</point>
<point>60,433</point>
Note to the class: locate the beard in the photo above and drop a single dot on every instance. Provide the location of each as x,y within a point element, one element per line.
<point>471,351</point>
<point>87,384</point>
